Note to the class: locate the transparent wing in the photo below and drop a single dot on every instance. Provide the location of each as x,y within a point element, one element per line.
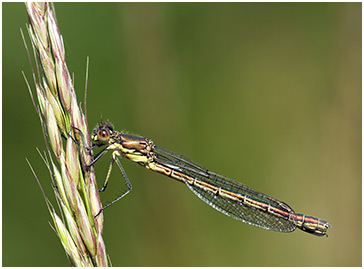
<point>231,208</point>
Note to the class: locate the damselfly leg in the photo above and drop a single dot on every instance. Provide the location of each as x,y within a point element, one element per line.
<point>114,159</point>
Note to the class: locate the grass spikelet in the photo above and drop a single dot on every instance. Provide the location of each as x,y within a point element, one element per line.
<point>74,185</point>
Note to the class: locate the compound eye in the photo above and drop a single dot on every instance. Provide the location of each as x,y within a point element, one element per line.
<point>108,125</point>
<point>103,135</point>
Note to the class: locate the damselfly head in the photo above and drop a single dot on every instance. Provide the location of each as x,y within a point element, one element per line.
<point>102,132</point>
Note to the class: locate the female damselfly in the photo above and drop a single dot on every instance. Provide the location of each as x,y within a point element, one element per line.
<point>228,196</point>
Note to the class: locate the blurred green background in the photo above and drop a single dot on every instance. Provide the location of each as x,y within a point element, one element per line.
<point>265,93</point>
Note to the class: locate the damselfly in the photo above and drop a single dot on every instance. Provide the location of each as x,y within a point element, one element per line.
<point>228,196</point>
